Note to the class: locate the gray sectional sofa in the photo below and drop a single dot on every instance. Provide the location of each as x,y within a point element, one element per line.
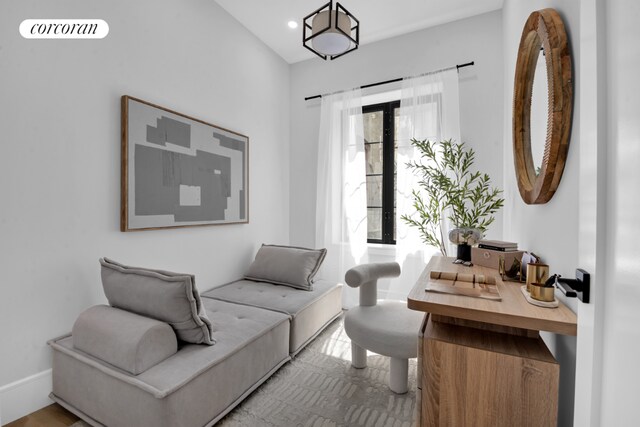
<point>123,368</point>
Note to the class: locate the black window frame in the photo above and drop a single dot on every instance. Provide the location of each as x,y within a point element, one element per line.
<point>388,169</point>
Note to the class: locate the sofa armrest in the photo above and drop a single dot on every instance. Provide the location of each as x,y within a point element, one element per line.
<point>125,340</point>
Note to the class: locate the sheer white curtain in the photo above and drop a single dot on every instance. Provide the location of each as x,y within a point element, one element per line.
<point>341,204</point>
<point>429,109</point>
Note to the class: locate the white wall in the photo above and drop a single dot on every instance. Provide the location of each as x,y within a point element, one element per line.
<point>60,161</point>
<point>476,39</point>
<point>549,230</point>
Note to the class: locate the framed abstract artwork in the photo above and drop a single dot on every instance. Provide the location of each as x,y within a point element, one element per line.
<point>178,171</point>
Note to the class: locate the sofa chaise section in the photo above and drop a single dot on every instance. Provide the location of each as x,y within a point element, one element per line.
<point>310,311</point>
<point>196,386</point>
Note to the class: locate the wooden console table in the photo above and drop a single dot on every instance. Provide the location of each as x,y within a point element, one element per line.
<point>482,362</point>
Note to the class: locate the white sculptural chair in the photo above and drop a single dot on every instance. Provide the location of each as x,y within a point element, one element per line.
<point>387,327</point>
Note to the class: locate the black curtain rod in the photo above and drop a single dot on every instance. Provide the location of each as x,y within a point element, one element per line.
<point>468,64</point>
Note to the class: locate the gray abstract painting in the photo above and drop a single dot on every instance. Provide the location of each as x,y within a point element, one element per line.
<point>178,171</point>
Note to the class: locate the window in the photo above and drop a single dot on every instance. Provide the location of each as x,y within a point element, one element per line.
<point>380,138</point>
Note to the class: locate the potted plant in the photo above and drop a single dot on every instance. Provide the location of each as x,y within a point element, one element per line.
<point>449,188</point>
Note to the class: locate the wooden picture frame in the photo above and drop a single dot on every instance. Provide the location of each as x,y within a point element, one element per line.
<point>179,171</point>
<point>543,29</point>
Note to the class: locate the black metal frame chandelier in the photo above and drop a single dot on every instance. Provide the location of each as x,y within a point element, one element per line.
<point>331,32</point>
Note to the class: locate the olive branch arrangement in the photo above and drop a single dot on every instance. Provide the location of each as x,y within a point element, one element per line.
<point>447,186</point>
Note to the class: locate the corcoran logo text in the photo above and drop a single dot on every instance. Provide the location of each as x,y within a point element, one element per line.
<point>64,29</point>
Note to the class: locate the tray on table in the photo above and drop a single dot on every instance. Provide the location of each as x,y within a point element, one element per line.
<point>471,285</point>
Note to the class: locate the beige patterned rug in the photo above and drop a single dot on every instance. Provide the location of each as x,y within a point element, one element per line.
<point>320,388</point>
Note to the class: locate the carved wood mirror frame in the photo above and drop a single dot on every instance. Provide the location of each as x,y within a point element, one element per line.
<point>544,29</point>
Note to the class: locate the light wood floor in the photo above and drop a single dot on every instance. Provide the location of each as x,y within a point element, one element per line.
<point>49,416</point>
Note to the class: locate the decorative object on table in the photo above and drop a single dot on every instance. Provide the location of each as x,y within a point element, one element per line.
<point>543,39</point>
<point>450,190</point>
<point>332,32</point>
<point>530,300</point>
<point>542,292</point>
<point>471,285</point>
<point>178,171</point>
<point>536,273</point>
<point>515,269</point>
<point>464,238</point>
<point>527,258</point>
<point>508,271</point>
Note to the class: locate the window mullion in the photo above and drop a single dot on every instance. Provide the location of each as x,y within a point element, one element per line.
<point>387,184</point>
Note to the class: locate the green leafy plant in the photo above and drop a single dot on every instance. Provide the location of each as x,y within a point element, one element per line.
<point>449,187</point>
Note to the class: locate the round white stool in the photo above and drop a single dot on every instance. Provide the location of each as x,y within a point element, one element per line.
<point>388,328</point>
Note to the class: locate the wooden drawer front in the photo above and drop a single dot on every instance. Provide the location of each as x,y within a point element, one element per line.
<point>490,386</point>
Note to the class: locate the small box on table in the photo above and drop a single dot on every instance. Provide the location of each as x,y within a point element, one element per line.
<point>491,258</point>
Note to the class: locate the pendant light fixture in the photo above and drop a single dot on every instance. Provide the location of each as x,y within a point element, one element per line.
<point>331,33</point>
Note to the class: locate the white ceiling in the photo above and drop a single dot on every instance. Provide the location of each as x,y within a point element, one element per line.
<point>379,19</point>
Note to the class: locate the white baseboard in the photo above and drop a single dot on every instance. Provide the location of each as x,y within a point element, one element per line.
<point>24,396</point>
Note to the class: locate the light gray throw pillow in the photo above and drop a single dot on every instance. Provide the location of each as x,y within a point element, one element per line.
<point>161,295</point>
<point>286,265</point>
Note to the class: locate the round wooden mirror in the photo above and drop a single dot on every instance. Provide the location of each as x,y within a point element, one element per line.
<point>543,34</point>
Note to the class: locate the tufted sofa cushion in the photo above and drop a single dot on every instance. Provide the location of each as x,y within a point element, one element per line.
<point>310,311</point>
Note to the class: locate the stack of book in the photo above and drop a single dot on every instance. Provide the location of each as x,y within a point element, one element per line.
<point>498,245</point>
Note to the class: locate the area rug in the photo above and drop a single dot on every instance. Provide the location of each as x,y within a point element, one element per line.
<point>319,388</point>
